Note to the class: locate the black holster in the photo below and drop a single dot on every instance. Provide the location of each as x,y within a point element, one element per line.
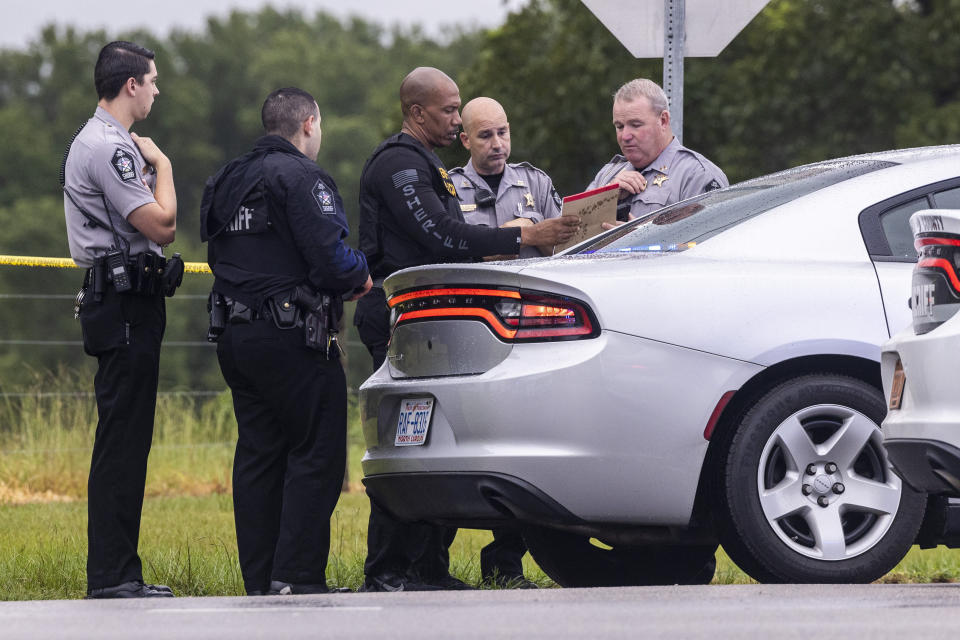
<point>171,275</point>
<point>217,307</point>
<point>320,320</point>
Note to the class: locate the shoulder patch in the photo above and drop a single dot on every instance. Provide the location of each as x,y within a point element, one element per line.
<point>324,198</point>
<point>122,163</point>
<point>557,199</point>
<point>714,185</point>
<point>445,178</point>
<point>404,177</point>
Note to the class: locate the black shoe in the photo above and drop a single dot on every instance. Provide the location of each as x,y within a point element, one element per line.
<point>159,587</point>
<point>135,589</point>
<point>386,582</point>
<point>278,588</point>
<point>449,583</point>
<point>516,582</point>
<point>256,592</point>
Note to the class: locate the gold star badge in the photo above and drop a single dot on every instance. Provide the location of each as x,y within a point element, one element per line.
<point>658,181</point>
<point>529,198</point>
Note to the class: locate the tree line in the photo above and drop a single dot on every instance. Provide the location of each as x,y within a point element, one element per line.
<point>806,80</point>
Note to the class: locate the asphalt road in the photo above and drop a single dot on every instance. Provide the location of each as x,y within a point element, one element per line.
<point>735,611</point>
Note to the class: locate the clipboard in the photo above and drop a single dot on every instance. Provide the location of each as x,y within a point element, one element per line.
<point>594,208</point>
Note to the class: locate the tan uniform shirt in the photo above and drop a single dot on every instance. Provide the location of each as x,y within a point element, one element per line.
<point>105,166</point>
<point>525,192</point>
<point>676,174</point>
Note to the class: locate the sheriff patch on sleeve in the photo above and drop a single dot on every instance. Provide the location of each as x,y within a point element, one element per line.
<point>123,164</point>
<point>324,198</point>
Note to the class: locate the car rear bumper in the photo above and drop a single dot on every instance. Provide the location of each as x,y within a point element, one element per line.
<point>927,465</point>
<point>608,429</point>
<point>472,500</point>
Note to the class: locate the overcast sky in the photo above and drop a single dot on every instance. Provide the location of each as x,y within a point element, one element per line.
<point>21,23</point>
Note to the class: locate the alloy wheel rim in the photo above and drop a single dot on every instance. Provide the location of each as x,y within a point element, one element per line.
<point>825,484</point>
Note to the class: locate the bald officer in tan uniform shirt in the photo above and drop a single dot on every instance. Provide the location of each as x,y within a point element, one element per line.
<point>516,193</point>
<point>655,169</point>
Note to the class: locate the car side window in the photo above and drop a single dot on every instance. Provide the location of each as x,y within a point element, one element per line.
<point>949,199</point>
<point>885,226</point>
<point>896,227</point>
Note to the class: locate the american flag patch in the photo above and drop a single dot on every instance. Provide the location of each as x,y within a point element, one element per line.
<point>406,176</point>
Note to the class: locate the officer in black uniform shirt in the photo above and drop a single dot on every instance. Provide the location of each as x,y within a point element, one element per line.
<point>277,229</point>
<point>120,206</point>
<point>410,215</point>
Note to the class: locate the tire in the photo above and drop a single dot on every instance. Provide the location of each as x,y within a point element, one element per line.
<point>571,560</point>
<point>804,491</point>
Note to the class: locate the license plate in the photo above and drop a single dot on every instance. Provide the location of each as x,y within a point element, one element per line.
<point>896,389</point>
<point>413,422</point>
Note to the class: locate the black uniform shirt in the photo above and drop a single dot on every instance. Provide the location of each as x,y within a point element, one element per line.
<point>410,215</point>
<point>275,220</point>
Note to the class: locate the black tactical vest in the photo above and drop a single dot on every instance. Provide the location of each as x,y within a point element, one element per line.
<point>251,248</point>
<point>373,240</point>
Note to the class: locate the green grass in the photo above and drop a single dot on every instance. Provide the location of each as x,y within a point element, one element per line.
<point>187,536</point>
<point>185,542</point>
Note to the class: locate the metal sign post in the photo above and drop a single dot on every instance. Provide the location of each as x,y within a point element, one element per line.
<point>674,43</point>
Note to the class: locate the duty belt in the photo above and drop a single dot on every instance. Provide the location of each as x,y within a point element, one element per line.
<point>145,271</point>
<point>317,314</point>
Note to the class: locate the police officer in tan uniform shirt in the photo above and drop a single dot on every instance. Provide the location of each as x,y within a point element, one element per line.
<point>120,207</point>
<point>655,169</point>
<point>493,192</point>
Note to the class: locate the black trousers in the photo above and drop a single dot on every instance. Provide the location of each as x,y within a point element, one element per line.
<point>503,556</point>
<point>416,550</point>
<point>291,408</point>
<point>124,333</point>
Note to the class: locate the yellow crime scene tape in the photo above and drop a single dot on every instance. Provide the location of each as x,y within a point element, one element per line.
<point>67,263</point>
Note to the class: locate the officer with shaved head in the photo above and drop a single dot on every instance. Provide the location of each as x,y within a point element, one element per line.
<point>497,193</point>
<point>493,192</point>
<point>409,216</point>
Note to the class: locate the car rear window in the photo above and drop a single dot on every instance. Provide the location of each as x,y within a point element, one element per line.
<point>680,226</point>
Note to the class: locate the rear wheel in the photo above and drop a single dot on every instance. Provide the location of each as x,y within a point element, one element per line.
<point>805,492</point>
<point>572,560</point>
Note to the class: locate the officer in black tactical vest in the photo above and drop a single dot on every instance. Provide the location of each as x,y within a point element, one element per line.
<point>410,215</point>
<point>276,230</point>
<point>121,207</point>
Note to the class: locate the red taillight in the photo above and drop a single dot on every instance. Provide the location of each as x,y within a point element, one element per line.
<point>945,266</point>
<point>935,295</point>
<point>920,243</point>
<point>515,316</point>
